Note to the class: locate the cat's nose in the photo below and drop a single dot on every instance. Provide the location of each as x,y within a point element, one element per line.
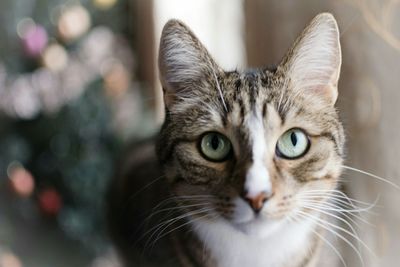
<point>257,202</point>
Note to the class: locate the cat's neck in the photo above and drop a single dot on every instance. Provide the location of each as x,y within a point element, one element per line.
<point>291,244</point>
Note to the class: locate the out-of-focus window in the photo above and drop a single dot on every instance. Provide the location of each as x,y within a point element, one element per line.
<point>218,24</point>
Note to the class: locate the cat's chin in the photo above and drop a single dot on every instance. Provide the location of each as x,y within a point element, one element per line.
<point>259,227</point>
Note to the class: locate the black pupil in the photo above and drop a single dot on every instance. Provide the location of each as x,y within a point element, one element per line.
<point>293,137</point>
<point>215,142</point>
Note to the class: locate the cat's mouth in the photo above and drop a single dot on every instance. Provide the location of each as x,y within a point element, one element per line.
<point>259,226</point>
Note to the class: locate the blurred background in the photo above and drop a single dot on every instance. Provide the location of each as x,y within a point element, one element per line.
<point>78,82</point>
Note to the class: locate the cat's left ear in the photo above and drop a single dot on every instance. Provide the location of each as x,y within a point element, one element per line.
<point>313,63</point>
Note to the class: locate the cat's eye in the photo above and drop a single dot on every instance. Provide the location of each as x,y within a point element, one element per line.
<point>293,144</point>
<point>215,146</point>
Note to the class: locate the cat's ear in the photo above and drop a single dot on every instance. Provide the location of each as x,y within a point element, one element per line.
<point>314,61</point>
<point>184,63</point>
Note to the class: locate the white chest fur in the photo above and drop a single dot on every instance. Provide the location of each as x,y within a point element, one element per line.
<point>232,248</point>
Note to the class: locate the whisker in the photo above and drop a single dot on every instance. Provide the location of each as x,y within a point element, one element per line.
<point>343,230</point>
<point>342,220</point>
<point>173,219</point>
<point>349,214</point>
<point>159,236</point>
<point>330,199</point>
<point>175,198</point>
<point>335,192</point>
<point>220,91</point>
<point>306,216</point>
<point>334,216</point>
<point>354,231</point>
<point>179,207</point>
<point>291,217</point>
<point>331,246</point>
<point>328,206</point>
<point>339,204</point>
<point>146,186</point>
<point>181,216</point>
<point>169,222</point>
<point>372,175</point>
<point>340,199</point>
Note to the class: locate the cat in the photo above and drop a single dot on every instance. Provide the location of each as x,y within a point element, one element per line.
<point>242,163</point>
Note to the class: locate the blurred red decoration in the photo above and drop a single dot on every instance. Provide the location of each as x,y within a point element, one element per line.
<point>22,181</point>
<point>50,202</point>
<point>34,40</point>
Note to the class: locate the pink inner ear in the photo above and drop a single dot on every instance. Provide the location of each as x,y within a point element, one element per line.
<point>313,63</point>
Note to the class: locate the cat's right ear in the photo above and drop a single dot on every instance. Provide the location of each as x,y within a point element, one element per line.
<point>184,63</point>
<point>313,63</point>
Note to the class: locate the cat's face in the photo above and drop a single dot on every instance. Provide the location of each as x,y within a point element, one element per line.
<point>254,147</point>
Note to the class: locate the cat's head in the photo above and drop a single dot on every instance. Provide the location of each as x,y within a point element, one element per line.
<point>255,147</point>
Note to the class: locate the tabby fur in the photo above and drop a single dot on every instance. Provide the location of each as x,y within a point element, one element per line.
<point>169,178</point>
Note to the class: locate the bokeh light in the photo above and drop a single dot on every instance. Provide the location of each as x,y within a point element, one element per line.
<point>55,57</point>
<point>104,4</point>
<point>50,201</point>
<point>8,259</point>
<point>73,22</point>
<point>21,179</point>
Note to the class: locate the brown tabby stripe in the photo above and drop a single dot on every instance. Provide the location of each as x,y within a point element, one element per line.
<point>332,138</point>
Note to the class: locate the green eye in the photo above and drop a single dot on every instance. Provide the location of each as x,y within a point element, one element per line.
<point>215,146</point>
<point>292,144</point>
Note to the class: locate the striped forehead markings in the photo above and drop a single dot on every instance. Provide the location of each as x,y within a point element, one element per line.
<point>251,78</point>
<point>264,110</point>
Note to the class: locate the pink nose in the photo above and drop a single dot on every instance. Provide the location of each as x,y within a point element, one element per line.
<point>257,202</point>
